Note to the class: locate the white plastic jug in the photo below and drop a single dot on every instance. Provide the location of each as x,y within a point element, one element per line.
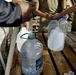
<point>19,40</point>
<point>56,40</point>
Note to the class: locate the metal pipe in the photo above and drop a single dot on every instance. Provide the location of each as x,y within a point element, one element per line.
<point>11,51</point>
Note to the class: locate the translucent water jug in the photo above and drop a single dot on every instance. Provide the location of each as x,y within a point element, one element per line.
<point>52,25</point>
<point>56,40</point>
<point>19,40</point>
<point>71,73</point>
<point>63,24</point>
<point>31,55</point>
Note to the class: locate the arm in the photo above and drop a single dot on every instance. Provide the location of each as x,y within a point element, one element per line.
<point>10,14</point>
<point>39,13</point>
<point>63,4</point>
<point>26,24</point>
<point>13,14</point>
<point>69,10</point>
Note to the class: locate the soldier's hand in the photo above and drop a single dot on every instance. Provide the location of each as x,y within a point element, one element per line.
<point>27,9</point>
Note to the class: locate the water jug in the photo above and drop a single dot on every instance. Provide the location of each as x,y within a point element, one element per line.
<point>56,40</point>
<point>71,73</point>
<point>63,24</point>
<point>52,25</point>
<point>19,40</point>
<point>31,55</point>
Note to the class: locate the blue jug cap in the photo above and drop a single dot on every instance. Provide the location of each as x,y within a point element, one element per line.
<point>53,18</point>
<point>63,16</point>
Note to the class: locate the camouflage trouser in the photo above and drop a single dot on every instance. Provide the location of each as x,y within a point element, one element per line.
<point>74,23</point>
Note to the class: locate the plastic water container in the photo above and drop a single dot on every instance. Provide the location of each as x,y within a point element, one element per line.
<point>56,40</point>
<point>31,55</point>
<point>19,40</point>
<point>52,25</point>
<point>63,24</point>
<point>71,73</point>
<point>65,73</point>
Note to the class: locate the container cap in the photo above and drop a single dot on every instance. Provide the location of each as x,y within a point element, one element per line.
<point>53,18</point>
<point>63,16</point>
<point>31,36</point>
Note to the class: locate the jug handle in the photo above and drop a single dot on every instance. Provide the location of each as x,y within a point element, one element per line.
<point>23,35</point>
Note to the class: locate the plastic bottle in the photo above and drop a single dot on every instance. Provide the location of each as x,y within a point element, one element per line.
<point>31,55</point>
<point>56,40</point>
<point>52,25</point>
<point>63,24</point>
<point>71,73</point>
<point>20,41</point>
<point>65,73</point>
